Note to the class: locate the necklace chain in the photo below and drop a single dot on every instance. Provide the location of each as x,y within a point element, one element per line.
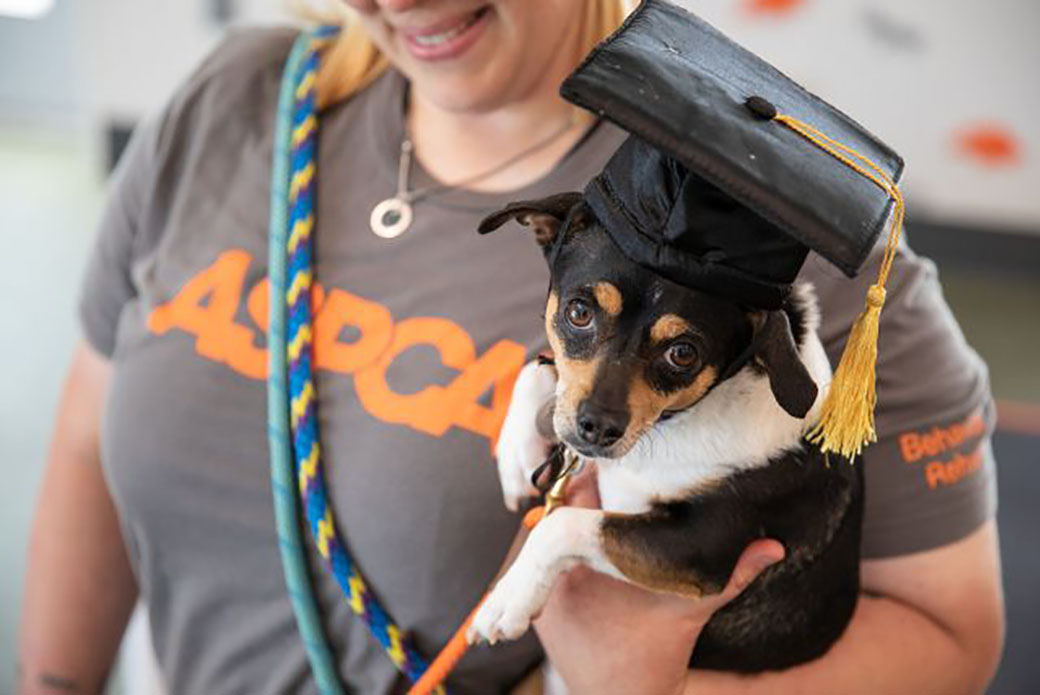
<point>391,217</point>
<point>408,148</point>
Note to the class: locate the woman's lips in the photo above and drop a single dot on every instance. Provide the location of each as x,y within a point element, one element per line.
<point>447,39</point>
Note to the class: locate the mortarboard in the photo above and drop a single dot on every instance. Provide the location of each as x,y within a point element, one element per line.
<point>731,174</point>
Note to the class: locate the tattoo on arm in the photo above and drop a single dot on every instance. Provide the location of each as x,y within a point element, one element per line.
<point>30,681</point>
<point>58,684</point>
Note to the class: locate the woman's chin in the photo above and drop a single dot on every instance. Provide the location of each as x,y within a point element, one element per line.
<point>462,90</point>
<point>461,93</point>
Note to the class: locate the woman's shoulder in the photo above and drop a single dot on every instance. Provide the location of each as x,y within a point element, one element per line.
<point>212,137</point>
<point>246,51</point>
<point>234,87</point>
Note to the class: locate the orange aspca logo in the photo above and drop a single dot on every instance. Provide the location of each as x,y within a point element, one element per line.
<point>206,306</point>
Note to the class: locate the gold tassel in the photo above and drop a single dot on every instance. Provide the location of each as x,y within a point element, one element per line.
<point>847,420</point>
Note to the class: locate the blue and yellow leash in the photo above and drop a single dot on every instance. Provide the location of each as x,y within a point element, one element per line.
<point>290,343</point>
<point>290,542</point>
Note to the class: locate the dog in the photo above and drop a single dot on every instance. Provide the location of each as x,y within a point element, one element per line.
<point>694,409</point>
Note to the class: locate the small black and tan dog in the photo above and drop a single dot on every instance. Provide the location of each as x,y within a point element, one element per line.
<point>694,409</point>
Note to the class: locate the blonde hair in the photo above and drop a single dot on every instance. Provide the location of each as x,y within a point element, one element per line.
<point>353,61</point>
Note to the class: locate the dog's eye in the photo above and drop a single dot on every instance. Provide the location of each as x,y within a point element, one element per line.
<point>579,314</point>
<point>681,355</point>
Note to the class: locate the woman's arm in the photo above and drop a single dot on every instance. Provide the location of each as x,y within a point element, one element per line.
<point>931,622</point>
<point>79,589</point>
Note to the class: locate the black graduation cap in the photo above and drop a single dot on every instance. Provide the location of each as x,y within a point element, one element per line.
<point>732,173</point>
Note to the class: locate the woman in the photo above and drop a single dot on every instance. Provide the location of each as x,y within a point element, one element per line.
<point>417,340</point>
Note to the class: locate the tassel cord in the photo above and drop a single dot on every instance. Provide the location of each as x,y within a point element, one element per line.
<point>847,419</point>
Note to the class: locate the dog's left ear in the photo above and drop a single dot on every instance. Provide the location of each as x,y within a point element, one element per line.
<point>775,350</point>
<point>543,216</point>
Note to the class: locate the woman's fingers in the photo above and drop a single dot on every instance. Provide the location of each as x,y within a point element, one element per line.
<point>759,555</point>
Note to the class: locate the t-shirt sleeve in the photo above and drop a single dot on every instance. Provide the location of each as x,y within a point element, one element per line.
<point>149,178</point>
<point>107,285</point>
<point>930,478</point>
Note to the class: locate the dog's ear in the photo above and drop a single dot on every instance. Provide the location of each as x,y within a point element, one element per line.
<point>776,352</point>
<point>543,216</point>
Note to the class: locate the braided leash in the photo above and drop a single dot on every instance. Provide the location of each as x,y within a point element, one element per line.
<point>297,231</point>
<point>290,542</point>
<point>291,275</point>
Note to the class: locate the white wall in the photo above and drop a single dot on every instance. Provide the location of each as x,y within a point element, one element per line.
<point>38,77</point>
<point>918,73</point>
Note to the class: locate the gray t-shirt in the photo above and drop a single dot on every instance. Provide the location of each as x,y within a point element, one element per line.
<point>417,341</point>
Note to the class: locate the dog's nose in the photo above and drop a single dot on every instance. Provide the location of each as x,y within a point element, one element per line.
<point>600,427</point>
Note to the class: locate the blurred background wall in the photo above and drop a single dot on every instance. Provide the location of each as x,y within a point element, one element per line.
<point>951,85</point>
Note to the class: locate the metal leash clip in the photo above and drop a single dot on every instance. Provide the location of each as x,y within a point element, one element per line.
<point>557,493</point>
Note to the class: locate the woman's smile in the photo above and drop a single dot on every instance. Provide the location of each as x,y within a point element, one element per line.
<point>446,39</point>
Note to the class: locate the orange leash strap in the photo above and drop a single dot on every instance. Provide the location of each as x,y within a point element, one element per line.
<point>456,647</point>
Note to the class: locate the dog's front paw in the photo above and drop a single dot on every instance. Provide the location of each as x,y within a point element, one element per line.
<point>508,610</point>
<point>520,449</point>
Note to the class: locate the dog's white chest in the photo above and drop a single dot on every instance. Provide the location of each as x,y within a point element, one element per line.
<point>624,491</point>
<point>632,484</point>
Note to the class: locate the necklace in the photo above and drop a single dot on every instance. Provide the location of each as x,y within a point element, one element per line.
<point>391,217</point>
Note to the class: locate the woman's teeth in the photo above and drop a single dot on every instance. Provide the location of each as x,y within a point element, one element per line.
<point>449,34</point>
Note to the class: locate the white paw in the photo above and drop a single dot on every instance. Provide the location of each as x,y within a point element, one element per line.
<point>508,610</point>
<point>520,449</point>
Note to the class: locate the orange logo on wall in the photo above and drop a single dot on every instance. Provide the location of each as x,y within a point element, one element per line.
<point>206,305</point>
<point>991,144</point>
<point>772,7</point>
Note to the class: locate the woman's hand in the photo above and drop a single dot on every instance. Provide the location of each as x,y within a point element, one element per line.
<point>606,636</point>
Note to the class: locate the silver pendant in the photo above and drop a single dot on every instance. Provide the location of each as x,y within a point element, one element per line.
<point>390,218</point>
